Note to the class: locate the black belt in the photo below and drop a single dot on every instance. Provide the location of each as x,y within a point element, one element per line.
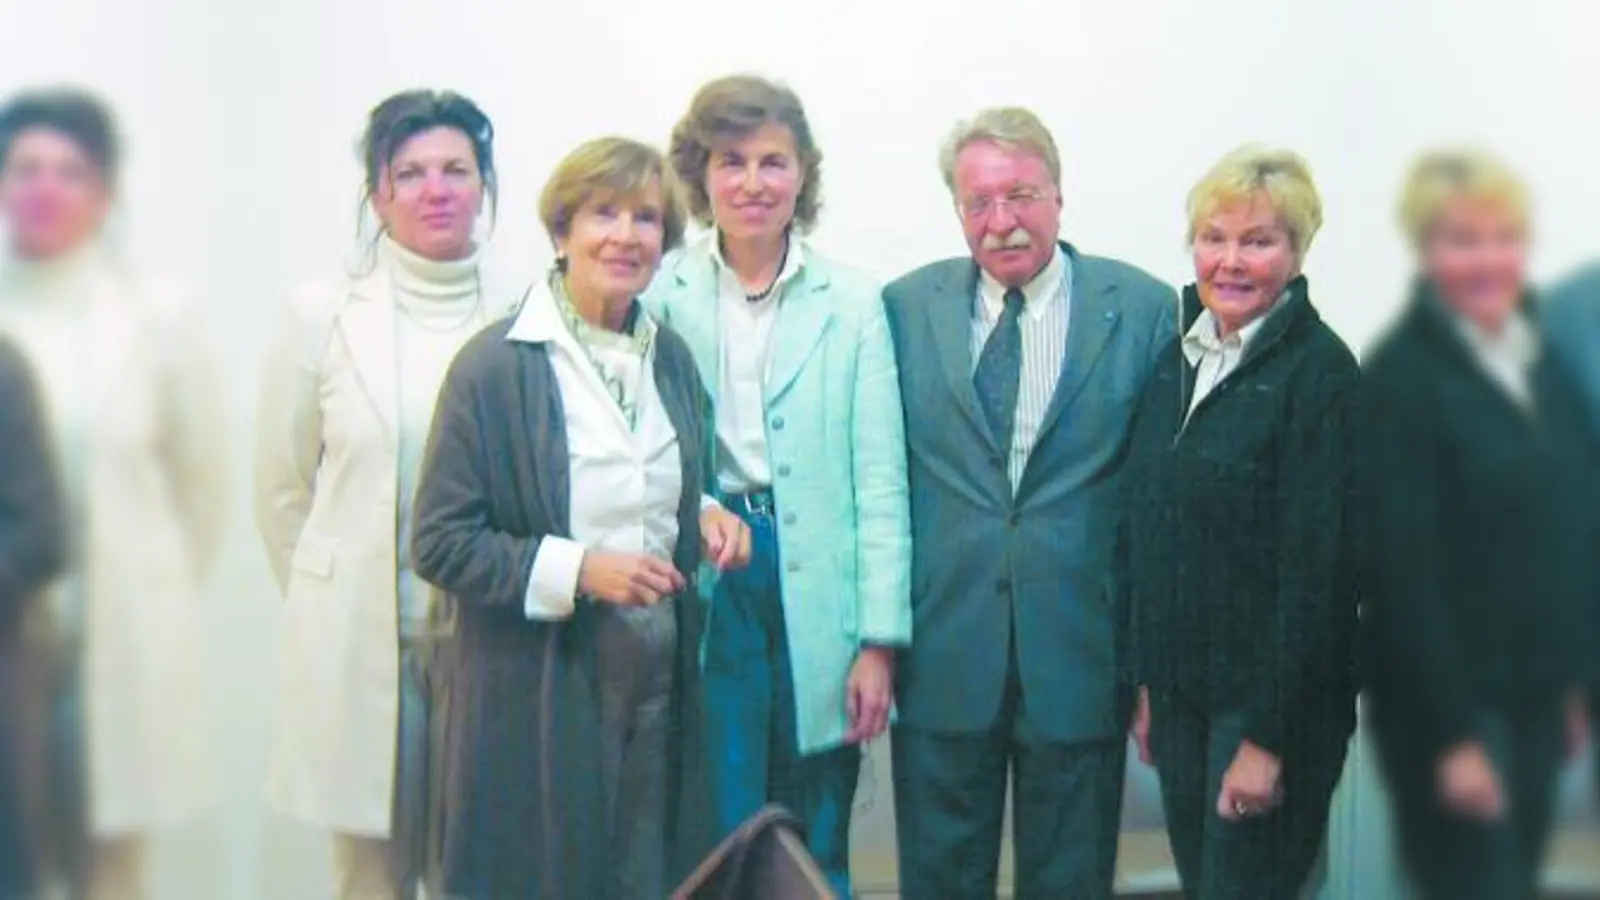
<point>754,503</point>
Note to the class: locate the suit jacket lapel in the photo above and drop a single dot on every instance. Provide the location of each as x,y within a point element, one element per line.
<point>367,323</point>
<point>950,320</point>
<point>1092,322</point>
<point>803,318</point>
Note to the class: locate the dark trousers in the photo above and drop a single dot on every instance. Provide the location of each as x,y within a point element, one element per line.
<point>750,715</point>
<point>950,794</point>
<point>1264,857</point>
<point>1450,856</point>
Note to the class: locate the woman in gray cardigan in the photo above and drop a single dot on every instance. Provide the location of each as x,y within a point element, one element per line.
<point>561,505</point>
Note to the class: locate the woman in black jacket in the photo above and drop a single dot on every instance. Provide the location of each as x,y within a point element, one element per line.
<point>1479,474</point>
<point>1236,554</point>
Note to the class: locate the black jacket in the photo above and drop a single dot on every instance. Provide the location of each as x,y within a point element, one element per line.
<point>1237,566</point>
<point>1483,534</point>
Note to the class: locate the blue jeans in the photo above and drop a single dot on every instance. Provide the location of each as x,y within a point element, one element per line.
<point>750,711</point>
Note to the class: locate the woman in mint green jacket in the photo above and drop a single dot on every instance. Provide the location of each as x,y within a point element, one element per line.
<point>810,450</point>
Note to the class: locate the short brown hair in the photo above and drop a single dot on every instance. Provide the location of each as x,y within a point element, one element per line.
<point>617,166</point>
<point>732,107</point>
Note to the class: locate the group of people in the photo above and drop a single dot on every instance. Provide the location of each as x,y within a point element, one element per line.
<point>579,576</point>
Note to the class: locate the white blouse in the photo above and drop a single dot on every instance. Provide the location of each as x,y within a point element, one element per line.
<point>626,483</point>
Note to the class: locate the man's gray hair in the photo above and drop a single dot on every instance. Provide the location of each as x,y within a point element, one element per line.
<point>1012,127</point>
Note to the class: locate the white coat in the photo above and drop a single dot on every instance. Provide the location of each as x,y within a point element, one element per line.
<point>153,477</point>
<point>325,498</point>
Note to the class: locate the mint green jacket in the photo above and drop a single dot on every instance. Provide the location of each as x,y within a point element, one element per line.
<point>836,445</point>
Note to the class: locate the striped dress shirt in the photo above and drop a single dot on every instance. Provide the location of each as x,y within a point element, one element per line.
<point>1045,316</point>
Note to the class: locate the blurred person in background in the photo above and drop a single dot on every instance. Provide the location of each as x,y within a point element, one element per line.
<point>347,398</point>
<point>1238,569</point>
<point>33,552</point>
<point>1478,483</point>
<point>562,505</point>
<point>133,393</point>
<point>794,349</point>
<point>1572,330</point>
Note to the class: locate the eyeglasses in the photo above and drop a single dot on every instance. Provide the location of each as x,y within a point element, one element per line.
<point>1019,199</point>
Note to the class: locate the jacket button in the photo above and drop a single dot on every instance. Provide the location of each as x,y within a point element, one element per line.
<point>794,566</point>
<point>788,518</point>
<point>777,424</point>
<point>783,471</point>
<point>1003,586</point>
<point>1014,519</point>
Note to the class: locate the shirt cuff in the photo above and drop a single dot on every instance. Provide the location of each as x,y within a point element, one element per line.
<point>553,583</point>
<point>708,502</point>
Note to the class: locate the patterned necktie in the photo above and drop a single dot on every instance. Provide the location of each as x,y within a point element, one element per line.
<point>999,373</point>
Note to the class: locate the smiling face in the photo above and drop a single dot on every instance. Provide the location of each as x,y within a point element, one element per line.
<point>1244,257</point>
<point>1010,210</point>
<point>52,193</point>
<point>613,244</point>
<point>753,182</point>
<point>429,195</point>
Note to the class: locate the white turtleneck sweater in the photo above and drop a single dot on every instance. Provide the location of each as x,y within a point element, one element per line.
<point>44,309</point>
<point>438,306</point>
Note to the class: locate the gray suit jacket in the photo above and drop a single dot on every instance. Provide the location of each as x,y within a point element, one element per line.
<point>1572,326</point>
<point>987,564</point>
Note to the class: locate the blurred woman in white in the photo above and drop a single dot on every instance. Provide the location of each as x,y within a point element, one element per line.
<point>133,396</point>
<point>346,402</point>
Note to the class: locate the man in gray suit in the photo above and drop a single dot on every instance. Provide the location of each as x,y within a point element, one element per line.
<point>1019,368</point>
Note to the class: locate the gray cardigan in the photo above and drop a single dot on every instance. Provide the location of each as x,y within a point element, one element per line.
<point>522,779</point>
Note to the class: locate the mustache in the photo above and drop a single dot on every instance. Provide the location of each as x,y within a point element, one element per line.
<point>1016,239</point>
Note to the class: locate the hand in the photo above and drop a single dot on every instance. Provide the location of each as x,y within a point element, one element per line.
<point>725,538</point>
<point>1468,782</point>
<point>1140,727</point>
<point>1577,725</point>
<point>868,693</point>
<point>1250,787</point>
<point>627,580</point>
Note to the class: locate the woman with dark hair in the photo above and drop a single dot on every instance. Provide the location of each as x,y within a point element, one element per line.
<point>347,398</point>
<point>132,393</point>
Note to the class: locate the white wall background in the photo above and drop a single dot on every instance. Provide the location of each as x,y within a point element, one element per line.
<point>241,119</point>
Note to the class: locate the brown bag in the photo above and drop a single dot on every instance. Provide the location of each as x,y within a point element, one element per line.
<point>765,859</point>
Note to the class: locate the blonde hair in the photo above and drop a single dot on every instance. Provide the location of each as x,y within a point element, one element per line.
<point>1011,127</point>
<point>610,166</point>
<point>1439,176</point>
<point>1282,176</point>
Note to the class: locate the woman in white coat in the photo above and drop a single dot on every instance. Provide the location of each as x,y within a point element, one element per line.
<point>132,394</point>
<point>346,403</point>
